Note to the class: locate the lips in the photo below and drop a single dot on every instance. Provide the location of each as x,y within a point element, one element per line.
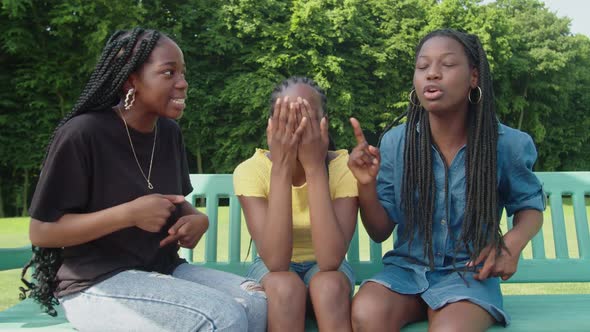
<point>432,92</point>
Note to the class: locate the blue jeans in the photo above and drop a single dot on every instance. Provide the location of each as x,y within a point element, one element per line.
<point>193,298</point>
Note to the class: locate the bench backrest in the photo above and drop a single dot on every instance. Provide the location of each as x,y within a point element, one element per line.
<point>559,253</point>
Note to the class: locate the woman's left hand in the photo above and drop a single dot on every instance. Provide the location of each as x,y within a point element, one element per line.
<point>187,231</point>
<point>313,146</point>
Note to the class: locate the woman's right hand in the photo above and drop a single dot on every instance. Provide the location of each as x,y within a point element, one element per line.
<point>284,131</point>
<point>364,160</point>
<point>150,212</point>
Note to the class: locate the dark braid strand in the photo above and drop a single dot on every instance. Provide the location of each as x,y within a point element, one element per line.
<point>123,54</point>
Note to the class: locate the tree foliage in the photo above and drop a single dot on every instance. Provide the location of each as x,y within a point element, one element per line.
<point>360,51</point>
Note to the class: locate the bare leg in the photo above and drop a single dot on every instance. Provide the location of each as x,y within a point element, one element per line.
<point>286,295</point>
<point>458,317</point>
<point>330,295</point>
<point>377,308</point>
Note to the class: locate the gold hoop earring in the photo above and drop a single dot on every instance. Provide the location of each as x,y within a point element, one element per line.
<point>130,95</point>
<point>413,93</point>
<point>478,97</point>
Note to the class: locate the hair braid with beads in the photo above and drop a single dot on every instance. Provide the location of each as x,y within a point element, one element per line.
<point>123,54</point>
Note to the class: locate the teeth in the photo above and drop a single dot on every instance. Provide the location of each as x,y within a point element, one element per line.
<point>178,101</point>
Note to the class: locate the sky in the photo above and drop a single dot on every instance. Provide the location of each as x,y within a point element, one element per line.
<point>577,10</point>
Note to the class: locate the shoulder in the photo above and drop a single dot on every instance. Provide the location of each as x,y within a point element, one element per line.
<point>516,150</point>
<point>338,159</point>
<point>394,136</point>
<point>513,141</point>
<point>85,126</point>
<point>338,164</point>
<point>257,162</point>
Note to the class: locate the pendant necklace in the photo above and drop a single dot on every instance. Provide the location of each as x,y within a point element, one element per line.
<point>147,178</point>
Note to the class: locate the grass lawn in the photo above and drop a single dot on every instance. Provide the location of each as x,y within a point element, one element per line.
<point>14,233</point>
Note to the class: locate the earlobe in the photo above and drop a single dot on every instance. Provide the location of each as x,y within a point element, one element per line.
<point>474,78</point>
<point>130,82</point>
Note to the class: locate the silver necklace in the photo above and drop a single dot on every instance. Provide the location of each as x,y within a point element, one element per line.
<point>147,178</point>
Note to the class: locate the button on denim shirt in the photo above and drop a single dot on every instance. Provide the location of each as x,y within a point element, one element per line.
<point>518,189</point>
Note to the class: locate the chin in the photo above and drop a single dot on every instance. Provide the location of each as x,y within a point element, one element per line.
<point>179,115</point>
<point>176,114</point>
<point>434,108</point>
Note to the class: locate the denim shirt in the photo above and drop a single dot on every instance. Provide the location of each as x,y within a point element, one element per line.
<point>518,189</point>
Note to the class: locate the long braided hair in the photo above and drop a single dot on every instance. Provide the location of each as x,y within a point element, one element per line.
<point>124,52</point>
<point>481,224</point>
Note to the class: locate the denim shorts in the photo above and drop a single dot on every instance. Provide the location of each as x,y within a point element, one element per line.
<point>439,288</point>
<point>305,270</point>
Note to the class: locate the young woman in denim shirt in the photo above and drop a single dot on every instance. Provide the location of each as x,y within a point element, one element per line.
<point>443,178</point>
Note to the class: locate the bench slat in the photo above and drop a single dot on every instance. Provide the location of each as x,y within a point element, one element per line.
<point>14,258</point>
<point>353,248</point>
<point>581,221</point>
<point>235,229</point>
<point>375,251</point>
<point>211,235</point>
<point>557,220</point>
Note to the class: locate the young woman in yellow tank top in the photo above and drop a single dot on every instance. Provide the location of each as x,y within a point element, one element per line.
<point>300,203</point>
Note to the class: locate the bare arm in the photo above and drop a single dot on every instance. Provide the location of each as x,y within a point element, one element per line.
<point>270,222</point>
<point>364,163</point>
<point>147,212</point>
<point>332,222</point>
<point>375,219</point>
<point>526,224</point>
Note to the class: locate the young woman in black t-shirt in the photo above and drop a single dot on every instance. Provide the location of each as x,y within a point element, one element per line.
<point>108,214</point>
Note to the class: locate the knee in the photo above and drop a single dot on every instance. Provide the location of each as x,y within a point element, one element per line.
<point>233,317</point>
<point>254,303</point>
<point>330,285</point>
<point>285,287</point>
<point>365,311</point>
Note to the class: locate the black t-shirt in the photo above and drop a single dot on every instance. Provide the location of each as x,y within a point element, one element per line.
<point>90,167</point>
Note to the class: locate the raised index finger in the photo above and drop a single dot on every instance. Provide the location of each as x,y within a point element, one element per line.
<point>358,132</point>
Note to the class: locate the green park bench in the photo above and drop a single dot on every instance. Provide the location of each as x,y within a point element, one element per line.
<point>563,312</point>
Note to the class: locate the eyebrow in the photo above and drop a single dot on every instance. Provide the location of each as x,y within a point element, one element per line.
<point>442,55</point>
<point>171,63</point>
